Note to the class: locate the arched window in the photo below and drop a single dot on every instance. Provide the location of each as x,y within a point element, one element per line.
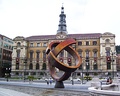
<point>87,53</point>
<point>107,51</point>
<point>44,54</point>
<point>31,66</point>
<point>94,42</point>
<point>18,53</point>
<point>37,54</point>
<point>44,66</point>
<point>95,53</point>
<point>37,66</point>
<point>107,41</point>
<point>18,44</point>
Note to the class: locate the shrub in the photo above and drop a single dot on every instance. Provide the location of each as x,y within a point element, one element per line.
<point>88,77</point>
<point>30,78</point>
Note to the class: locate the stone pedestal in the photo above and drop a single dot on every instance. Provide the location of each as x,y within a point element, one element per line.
<point>59,84</point>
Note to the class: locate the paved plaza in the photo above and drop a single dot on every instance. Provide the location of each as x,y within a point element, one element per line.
<point>12,88</point>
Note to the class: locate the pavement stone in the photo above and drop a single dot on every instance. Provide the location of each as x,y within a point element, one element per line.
<point>8,92</point>
<point>42,89</point>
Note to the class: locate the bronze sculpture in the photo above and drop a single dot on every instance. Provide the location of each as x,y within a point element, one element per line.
<point>53,51</point>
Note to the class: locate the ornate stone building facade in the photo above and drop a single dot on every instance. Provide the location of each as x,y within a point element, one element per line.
<point>29,57</point>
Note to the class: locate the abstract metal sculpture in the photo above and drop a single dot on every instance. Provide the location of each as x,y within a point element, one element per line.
<point>53,51</point>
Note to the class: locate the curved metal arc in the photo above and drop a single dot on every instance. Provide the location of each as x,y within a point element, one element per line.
<point>53,50</point>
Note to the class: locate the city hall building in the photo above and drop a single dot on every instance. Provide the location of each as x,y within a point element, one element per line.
<point>96,50</point>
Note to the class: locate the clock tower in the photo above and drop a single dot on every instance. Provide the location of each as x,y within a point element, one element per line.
<point>62,30</point>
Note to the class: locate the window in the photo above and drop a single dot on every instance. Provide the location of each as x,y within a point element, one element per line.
<point>80,66</point>
<point>44,44</point>
<point>94,42</point>
<point>31,54</point>
<point>80,53</point>
<point>108,65</point>
<point>37,66</point>
<point>107,41</point>
<point>108,53</point>
<point>44,54</point>
<point>38,44</point>
<point>79,43</point>
<point>62,54</point>
<point>0,56</point>
<point>95,66</point>
<point>87,53</point>
<point>0,44</point>
<point>37,55</point>
<point>69,55</point>
<point>31,66</point>
<point>18,53</point>
<point>0,50</point>
<point>87,42</point>
<point>31,44</point>
<point>18,44</point>
<point>17,66</point>
<point>87,65</point>
<point>95,53</point>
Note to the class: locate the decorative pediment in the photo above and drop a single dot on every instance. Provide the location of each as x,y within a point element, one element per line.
<point>19,38</point>
<point>107,33</point>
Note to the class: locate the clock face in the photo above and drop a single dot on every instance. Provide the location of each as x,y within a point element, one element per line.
<point>61,36</point>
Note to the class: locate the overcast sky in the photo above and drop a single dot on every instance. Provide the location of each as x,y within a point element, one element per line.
<point>41,17</point>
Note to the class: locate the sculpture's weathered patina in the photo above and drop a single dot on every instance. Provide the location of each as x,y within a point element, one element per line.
<point>52,52</point>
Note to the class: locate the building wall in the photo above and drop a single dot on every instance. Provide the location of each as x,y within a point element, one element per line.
<point>19,55</point>
<point>41,45</point>
<point>6,47</point>
<point>107,43</point>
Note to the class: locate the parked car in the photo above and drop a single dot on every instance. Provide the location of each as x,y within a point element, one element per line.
<point>78,80</point>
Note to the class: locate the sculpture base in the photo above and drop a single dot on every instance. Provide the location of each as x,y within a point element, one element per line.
<point>59,84</point>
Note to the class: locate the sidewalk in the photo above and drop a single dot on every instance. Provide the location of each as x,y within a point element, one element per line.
<point>8,92</point>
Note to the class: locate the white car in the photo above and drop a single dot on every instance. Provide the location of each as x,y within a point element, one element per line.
<point>76,80</point>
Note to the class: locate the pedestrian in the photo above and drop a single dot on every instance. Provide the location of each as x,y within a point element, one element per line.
<point>72,82</point>
<point>47,82</point>
<point>110,80</point>
<point>107,82</point>
<point>50,81</point>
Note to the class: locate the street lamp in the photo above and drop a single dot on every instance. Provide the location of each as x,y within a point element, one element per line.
<point>25,61</point>
<point>87,65</point>
<point>82,71</point>
<point>112,53</point>
<point>87,69</point>
<point>7,73</point>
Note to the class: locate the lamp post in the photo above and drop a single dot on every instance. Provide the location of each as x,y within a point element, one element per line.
<point>87,70</point>
<point>25,61</point>
<point>82,72</point>
<point>7,73</point>
<point>87,65</point>
<point>112,53</point>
